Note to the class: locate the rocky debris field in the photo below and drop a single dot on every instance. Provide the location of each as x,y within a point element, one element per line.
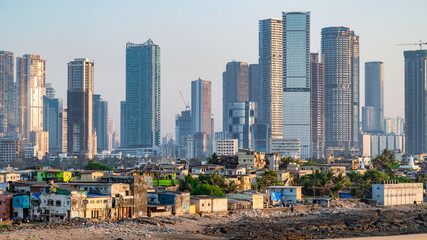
<point>343,219</point>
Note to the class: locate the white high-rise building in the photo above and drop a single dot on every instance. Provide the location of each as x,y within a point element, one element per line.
<point>271,74</point>
<point>31,78</point>
<point>226,147</point>
<point>296,79</point>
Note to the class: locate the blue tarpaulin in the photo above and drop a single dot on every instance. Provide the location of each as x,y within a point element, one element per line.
<point>276,196</point>
<point>346,195</point>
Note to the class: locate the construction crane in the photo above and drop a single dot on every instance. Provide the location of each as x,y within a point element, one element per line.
<point>420,44</point>
<point>187,105</point>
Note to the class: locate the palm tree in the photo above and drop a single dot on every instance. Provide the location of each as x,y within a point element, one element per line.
<point>386,159</point>
<point>340,182</point>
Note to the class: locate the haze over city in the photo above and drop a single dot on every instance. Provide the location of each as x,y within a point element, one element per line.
<point>197,39</point>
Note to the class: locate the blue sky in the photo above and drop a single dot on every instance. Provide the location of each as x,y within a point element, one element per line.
<point>197,39</point>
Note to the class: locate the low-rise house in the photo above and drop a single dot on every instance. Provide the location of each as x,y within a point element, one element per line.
<point>55,175</point>
<point>205,169</point>
<point>6,210</point>
<point>176,203</point>
<point>252,159</point>
<point>256,199</point>
<point>9,177</point>
<point>286,194</point>
<point>89,176</point>
<point>209,204</point>
<point>238,170</point>
<point>21,206</point>
<point>390,193</point>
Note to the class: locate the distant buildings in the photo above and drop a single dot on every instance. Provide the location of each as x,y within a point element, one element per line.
<point>271,77</point>
<point>81,136</point>
<point>394,125</point>
<point>296,79</point>
<point>340,47</point>
<point>10,149</point>
<point>52,122</point>
<point>415,101</point>
<point>373,112</point>
<point>317,75</point>
<point>286,147</point>
<point>201,116</point>
<point>140,113</point>
<point>182,127</point>
<point>225,147</point>
<point>7,96</point>
<point>31,78</point>
<point>254,84</point>
<point>241,119</point>
<point>100,122</point>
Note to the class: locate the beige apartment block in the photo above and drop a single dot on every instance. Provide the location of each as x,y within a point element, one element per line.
<point>391,193</point>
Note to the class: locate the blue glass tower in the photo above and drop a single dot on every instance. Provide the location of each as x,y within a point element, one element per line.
<point>100,122</point>
<point>296,79</point>
<point>52,122</point>
<point>140,113</point>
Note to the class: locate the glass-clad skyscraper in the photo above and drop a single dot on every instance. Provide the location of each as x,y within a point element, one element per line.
<point>373,112</point>
<point>100,122</point>
<point>340,47</point>
<point>415,101</point>
<point>140,113</point>
<point>6,92</point>
<point>52,122</point>
<point>296,79</point>
<point>271,74</point>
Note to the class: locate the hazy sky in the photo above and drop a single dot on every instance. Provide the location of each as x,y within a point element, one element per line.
<point>197,38</point>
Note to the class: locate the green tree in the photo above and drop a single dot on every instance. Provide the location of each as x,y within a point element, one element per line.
<point>92,165</point>
<point>384,161</point>
<point>340,182</point>
<point>213,159</point>
<point>188,184</point>
<point>207,189</point>
<point>268,178</point>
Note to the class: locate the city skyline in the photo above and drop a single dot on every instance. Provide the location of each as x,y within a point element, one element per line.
<point>241,45</point>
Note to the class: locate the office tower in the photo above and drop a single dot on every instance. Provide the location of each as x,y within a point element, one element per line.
<point>415,101</point>
<point>6,92</point>
<point>40,140</point>
<point>100,122</point>
<point>254,84</point>
<point>340,47</point>
<point>31,78</point>
<point>270,68</point>
<point>50,91</point>
<point>373,112</point>
<point>201,109</point>
<point>80,108</point>
<point>140,123</point>
<point>317,76</point>
<point>235,87</point>
<point>261,137</point>
<point>65,130</point>
<point>240,122</point>
<point>296,79</point>
<point>52,122</point>
<point>110,131</point>
<point>182,127</point>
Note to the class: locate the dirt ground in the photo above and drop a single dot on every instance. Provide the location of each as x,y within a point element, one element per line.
<point>342,220</point>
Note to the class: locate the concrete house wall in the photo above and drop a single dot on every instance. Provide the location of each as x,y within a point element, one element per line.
<point>391,194</point>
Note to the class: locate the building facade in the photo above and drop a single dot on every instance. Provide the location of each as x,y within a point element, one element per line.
<point>100,122</point>
<point>271,74</point>
<point>340,47</point>
<point>415,101</point>
<point>80,136</point>
<point>254,84</point>
<point>240,122</point>
<point>10,149</point>
<point>225,147</point>
<point>140,122</point>
<point>7,69</point>
<point>317,75</point>
<point>286,147</point>
<point>31,78</point>
<point>373,112</point>
<point>296,79</point>
<point>235,87</point>
<point>52,122</point>
<point>182,127</point>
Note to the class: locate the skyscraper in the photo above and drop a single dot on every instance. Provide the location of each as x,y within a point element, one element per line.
<point>317,75</point>
<point>296,79</point>
<point>110,131</point>
<point>415,101</point>
<point>182,127</point>
<point>140,123</point>
<point>81,136</point>
<point>373,112</point>
<point>254,84</point>
<point>235,87</point>
<point>340,47</point>
<point>241,122</point>
<point>6,92</point>
<point>31,78</point>
<point>271,77</point>
<point>100,122</point>
<point>52,122</point>
<point>201,109</point>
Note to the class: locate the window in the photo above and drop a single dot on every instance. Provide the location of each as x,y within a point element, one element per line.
<point>203,204</point>
<point>58,203</point>
<point>291,190</point>
<point>50,202</point>
<point>209,204</point>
